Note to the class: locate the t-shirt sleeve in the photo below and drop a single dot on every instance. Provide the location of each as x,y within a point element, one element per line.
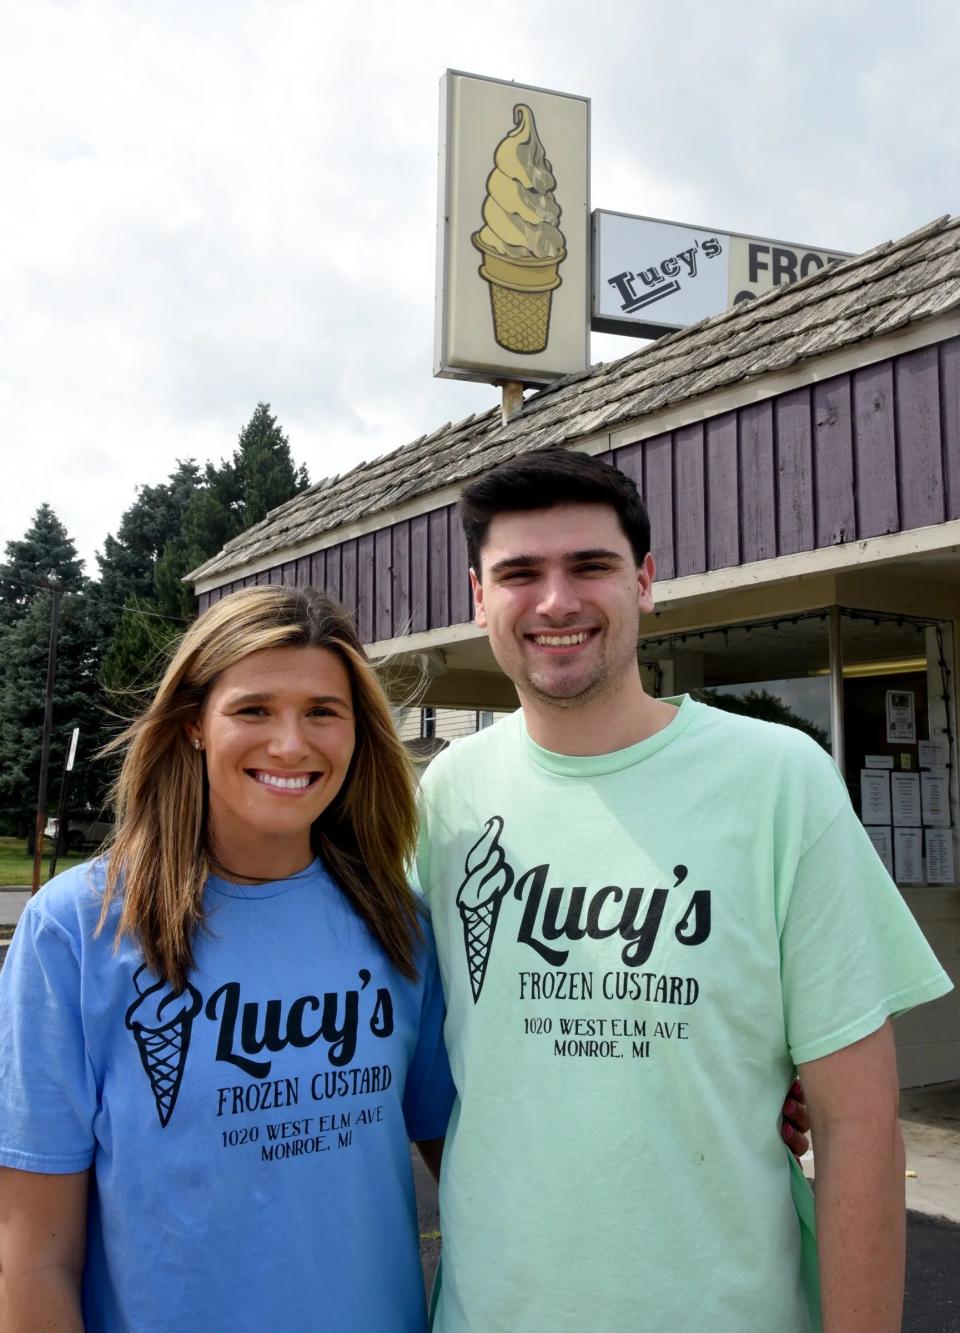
<point>48,1094</point>
<point>852,954</point>
<point>429,1091</point>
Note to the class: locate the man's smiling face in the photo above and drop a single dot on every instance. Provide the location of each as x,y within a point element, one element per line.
<point>560,594</point>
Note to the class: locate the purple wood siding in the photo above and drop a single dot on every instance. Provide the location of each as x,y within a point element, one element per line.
<point>419,566</point>
<point>334,572</point>
<point>438,537</point>
<point>658,494</point>
<point>630,463</point>
<point>874,451</point>
<point>461,598</point>
<point>401,579</point>
<point>758,498</point>
<point>690,506</point>
<point>920,463</point>
<point>722,507</point>
<point>383,586</point>
<point>794,471</point>
<point>348,576</point>
<point>865,453</point>
<point>950,422</point>
<point>833,489</point>
<point>203,601</point>
<point>366,583</point>
<point>318,570</point>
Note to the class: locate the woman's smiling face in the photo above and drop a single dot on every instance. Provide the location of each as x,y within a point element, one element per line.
<point>278,733</point>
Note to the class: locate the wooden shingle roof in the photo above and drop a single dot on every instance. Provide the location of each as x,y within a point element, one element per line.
<point>885,289</point>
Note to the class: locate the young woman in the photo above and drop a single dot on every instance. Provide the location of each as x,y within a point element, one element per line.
<point>217,1039</point>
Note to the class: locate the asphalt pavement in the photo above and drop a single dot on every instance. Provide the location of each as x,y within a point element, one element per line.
<point>12,903</point>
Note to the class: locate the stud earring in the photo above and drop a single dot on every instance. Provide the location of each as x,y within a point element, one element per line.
<point>196,743</point>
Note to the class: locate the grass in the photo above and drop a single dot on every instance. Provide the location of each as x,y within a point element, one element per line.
<point>16,867</point>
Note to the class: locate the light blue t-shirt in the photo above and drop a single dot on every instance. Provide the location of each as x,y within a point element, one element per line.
<point>249,1138</point>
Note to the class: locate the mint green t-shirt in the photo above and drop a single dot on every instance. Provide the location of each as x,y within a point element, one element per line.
<point>637,949</point>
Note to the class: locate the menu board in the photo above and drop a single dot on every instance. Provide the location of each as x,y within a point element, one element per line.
<point>882,841</point>
<point>874,796</point>
<point>935,798</point>
<point>907,854</point>
<point>905,799</point>
<point>939,856</point>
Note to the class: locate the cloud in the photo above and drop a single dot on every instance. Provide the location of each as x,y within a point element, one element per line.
<point>219,203</point>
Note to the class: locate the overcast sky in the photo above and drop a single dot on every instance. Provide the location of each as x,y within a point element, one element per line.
<point>208,203</point>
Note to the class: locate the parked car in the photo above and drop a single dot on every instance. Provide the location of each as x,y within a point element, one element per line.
<point>82,832</point>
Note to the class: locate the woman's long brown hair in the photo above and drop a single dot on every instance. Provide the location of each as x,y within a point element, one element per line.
<point>160,856</point>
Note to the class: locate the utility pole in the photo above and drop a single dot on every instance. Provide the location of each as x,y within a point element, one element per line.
<point>55,591</point>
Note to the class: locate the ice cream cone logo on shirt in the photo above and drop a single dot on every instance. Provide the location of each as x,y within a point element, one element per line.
<point>521,241</point>
<point>487,880</point>
<point>160,1019</point>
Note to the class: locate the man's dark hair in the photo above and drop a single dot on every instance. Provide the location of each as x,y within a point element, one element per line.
<point>548,477</point>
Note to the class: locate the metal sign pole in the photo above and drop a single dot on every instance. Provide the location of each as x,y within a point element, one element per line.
<point>512,400</point>
<point>58,846</point>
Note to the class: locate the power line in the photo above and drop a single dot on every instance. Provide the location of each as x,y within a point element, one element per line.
<point>107,606</point>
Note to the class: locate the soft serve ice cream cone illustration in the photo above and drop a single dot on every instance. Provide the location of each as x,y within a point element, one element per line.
<point>161,1019</point>
<point>521,241</point>
<point>488,878</point>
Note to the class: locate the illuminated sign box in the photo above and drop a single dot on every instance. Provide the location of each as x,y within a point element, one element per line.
<point>652,277</point>
<point>513,269</point>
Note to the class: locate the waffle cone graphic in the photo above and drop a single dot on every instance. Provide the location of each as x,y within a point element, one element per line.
<point>521,293</point>
<point>162,1052</point>
<point>161,1020</point>
<point>479,924</point>
<point>487,878</point>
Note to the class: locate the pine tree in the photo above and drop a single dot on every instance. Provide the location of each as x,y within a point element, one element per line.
<point>137,655</point>
<point>44,551</point>
<point>238,493</point>
<point>264,467</point>
<point>46,548</point>
<point>128,561</point>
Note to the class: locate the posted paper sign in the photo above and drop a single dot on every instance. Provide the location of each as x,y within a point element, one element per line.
<point>882,841</point>
<point>935,798</point>
<point>940,856</point>
<point>933,754</point>
<point>905,799</point>
<point>878,761</point>
<point>901,717</point>
<point>874,796</point>
<point>907,853</point>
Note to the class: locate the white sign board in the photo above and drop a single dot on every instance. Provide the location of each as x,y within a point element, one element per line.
<point>513,268</point>
<point>651,277</point>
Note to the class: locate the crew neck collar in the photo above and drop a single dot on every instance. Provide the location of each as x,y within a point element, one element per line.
<point>272,889</point>
<point>590,765</point>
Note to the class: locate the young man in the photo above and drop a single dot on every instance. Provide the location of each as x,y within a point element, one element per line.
<point>647,910</point>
